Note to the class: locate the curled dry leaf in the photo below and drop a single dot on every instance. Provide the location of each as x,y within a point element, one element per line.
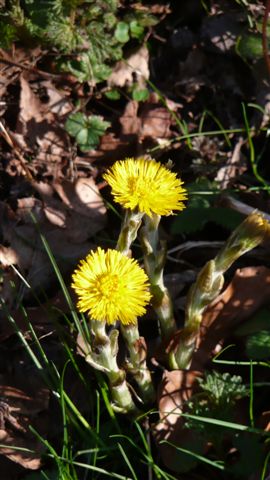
<point>23,403</point>
<point>8,256</point>
<point>81,210</point>
<point>175,389</point>
<point>248,291</point>
<point>148,120</point>
<point>136,64</point>
<point>66,222</point>
<point>38,129</point>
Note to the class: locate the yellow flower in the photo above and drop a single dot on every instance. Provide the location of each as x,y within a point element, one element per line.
<point>111,287</point>
<point>146,185</point>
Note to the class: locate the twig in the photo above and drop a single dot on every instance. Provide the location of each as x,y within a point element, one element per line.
<point>8,138</point>
<point>7,61</point>
<point>241,207</point>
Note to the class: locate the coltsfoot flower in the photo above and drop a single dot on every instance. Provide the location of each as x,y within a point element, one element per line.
<point>146,185</point>
<point>111,287</point>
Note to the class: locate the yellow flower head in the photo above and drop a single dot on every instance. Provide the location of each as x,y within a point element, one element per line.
<point>111,287</point>
<point>146,185</point>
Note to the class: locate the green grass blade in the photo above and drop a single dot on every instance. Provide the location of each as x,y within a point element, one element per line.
<point>196,455</point>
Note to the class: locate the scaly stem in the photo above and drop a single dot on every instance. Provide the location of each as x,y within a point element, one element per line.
<point>129,229</point>
<point>208,285</point>
<point>103,356</point>
<point>135,344</point>
<point>136,363</point>
<point>154,261</point>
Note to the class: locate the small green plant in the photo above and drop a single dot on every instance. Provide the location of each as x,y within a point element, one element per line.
<point>258,345</point>
<point>86,130</point>
<point>217,397</point>
<point>86,36</point>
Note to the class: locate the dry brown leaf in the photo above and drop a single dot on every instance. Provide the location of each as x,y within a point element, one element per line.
<point>8,256</point>
<point>81,212</point>
<point>27,403</point>
<point>155,121</point>
<point>34,262</point>
<point>235,165</point>
<point>129,121</point>
<point>175,389</point>
<point>82,215</point>
<point>109,149</point>
<point>124,71</point>
<point>30,105</point>
<point>42,318</point>
<point>57,102</point>
<point>248,291</point>
<point>39,130</point>
<point>150,120</point>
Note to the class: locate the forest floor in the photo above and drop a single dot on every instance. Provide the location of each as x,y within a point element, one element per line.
<point>193,91</point>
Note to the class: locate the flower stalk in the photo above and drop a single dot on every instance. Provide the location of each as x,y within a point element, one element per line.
<point>129,229</point>
<point>102,355</point>
<point>154,261</point>
<point>111,287</point>
<point>250,233</point>
<point>136,364</point>
<point>136,346</point>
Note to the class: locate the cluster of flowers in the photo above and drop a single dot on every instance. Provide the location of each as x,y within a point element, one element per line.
<point>112,287</point>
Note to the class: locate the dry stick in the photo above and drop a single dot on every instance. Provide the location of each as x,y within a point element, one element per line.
<point>264,36</point>
<point>7,137</point>
<point>241,207</point>
<point>47,75</point>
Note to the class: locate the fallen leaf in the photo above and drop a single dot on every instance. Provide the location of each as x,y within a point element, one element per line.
<point>220,32</point>
<point>235,165</point>
<point>81,210</point>
<point>175,389</point>
<point>150,120</point>
<point>155,121</point>
<point>57,102</point>
<point>129,121</point>
<point>67,223</point>
<point>39,130</point>
<point>248,291</point>
<point>27,403</point>
<point>134,65</point>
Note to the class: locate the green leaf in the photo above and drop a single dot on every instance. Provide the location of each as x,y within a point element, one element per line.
<point>223,388</point>
<point>194,219</point>
<point>75,123</point>
<point>189,220</point>
<point>258,345</point>
<point>113,95</point>
<point>250,46</point>
<point>136,30</point>
<point>122,32</point>
<point>8,35</point>
<point>140,95</point>
<point>86,130</point>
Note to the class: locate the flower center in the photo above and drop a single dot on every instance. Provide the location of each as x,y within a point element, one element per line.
<point>107,285</point>
<point>140,186</point>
